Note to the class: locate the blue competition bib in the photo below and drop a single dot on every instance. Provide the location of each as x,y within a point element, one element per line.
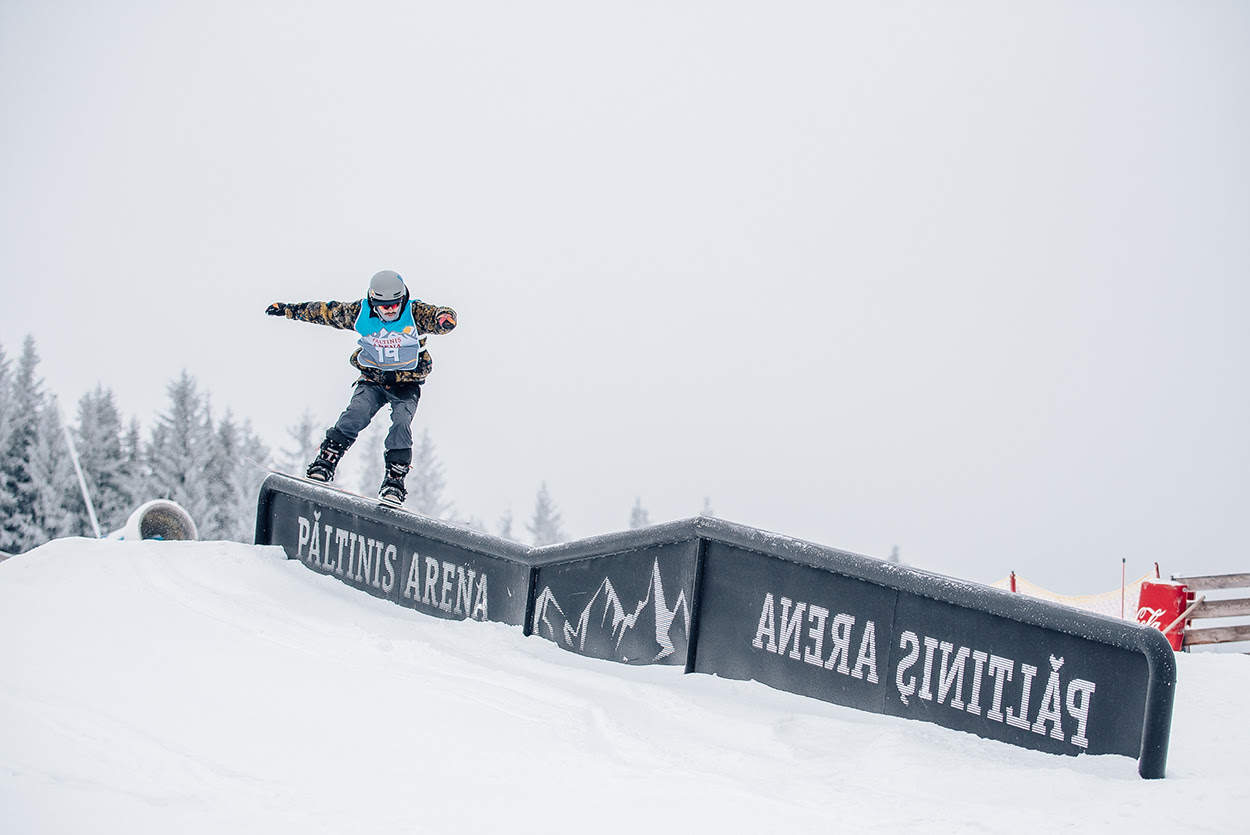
<point>388,346</point>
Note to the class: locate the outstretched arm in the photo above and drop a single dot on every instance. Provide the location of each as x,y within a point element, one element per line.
<point>432,318</point>
<point>340,315</point>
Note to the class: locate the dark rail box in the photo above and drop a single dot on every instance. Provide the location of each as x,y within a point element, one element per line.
<point>720,598</point>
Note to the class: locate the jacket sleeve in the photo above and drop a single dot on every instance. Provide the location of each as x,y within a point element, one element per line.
<point>341,315</point>
<point>427,315</point>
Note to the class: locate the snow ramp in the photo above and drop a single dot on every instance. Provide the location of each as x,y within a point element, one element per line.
<point>711,596</point>
<point>213,687</point>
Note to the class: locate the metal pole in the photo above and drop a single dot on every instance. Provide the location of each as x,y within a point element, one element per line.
<point>82,482</point>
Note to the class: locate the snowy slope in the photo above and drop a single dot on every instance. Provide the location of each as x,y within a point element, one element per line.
<point>212,687</point>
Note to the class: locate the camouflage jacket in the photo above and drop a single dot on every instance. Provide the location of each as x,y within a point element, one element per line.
<point>343,315</point>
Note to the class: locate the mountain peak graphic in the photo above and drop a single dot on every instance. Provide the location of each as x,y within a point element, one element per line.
<point>606,628</point>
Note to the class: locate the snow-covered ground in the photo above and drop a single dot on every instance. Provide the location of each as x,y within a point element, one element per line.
<point>215,687</point>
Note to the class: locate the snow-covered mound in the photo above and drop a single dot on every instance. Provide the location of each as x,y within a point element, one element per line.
<point>214,687</point>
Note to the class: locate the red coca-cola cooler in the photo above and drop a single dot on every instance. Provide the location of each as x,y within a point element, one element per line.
<point>1160,604</point>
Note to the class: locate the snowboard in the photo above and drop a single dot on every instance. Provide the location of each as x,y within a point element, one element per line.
<point>329,485</point>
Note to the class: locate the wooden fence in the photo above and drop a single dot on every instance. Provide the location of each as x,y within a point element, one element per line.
<point>1231,608</point>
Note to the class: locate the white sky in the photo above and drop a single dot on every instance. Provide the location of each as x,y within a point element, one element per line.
<point>969,278</point>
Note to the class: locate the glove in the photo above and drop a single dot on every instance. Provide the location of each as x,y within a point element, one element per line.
<point>445,322</point>
<point>276,309</point>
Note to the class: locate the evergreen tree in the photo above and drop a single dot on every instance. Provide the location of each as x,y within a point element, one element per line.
<point>545,526</point>
<point>252,449</point>
<point>19,530</point>
<point>135,477</point>
<point>221,483</point>
<point>237,464</point>
<point>372,460</point>
<point>305,440</point>
<point>6,401</point>
<point>504,525</point>
<point>98,438</point>
<point>638,517</point>
<point>56,494</point>
<point>425,481</point>
<point>6,411</point>
<point>180,447</point>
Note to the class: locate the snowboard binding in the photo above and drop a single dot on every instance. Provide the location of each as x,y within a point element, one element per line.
<point>322,467</point>
<point>392,490</point>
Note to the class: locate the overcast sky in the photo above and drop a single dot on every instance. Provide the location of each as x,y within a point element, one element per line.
<point>966,278</point>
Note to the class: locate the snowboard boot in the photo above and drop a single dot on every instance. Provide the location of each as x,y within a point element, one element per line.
<point>322,467</point>
<point>392,490</point>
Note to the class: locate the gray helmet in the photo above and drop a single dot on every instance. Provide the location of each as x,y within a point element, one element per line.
<point>387,287</point>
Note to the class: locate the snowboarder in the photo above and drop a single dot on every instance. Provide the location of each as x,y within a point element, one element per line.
<point>393,363</point>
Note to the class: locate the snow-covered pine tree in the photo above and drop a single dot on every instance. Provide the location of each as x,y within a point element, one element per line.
<point>221,482</point>
<point>237,464</point>
<point>545,526</point>
<point>304,440</point>
<point>254,466</point>
<point>504,525</point>
<point>638,517</point>
<point>56,493</point>
<point>425,481</point>
<point>98,438</point>
<point>6,401</point>
<point>372,444</point>
<point>136,479</point>
<point>19,530</point>
<point>179,449</point>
